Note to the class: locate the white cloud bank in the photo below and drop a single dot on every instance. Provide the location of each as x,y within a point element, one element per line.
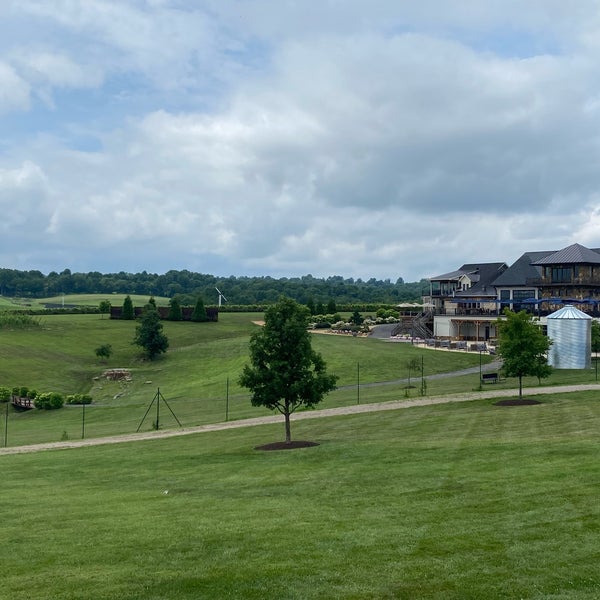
<point>391,141</point>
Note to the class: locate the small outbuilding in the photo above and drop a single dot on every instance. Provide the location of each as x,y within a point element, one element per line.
<point>571,333</point>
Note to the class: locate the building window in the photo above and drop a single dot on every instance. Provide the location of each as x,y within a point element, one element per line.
<point>523,294</point>
<point>562,274</point>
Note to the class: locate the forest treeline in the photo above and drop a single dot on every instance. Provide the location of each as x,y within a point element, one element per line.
<point>188,286</point>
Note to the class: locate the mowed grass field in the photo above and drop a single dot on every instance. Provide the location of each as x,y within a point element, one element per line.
<point>457,501</point>
<point>92,300</point>
<point>198,375</point>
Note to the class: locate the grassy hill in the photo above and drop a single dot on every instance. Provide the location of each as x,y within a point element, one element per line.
<point>92,300</point>
<point>198,376</point>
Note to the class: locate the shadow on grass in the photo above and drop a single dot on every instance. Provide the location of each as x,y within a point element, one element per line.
<point>287,446</point>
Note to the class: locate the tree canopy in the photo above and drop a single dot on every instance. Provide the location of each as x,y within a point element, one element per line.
<point>199,315</point>
<point>149,333</point>
<point>189,285</point>
<point>523,347</point>
<point>285,372</point>
<point>175,313</point>
<point>128,312</point>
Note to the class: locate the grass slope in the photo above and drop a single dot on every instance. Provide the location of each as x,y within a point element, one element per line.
<point>466,501</point>
<point>198,376</point>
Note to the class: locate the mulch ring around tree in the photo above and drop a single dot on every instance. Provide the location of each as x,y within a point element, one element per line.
<point>287,446</point>
<point>516,402</point>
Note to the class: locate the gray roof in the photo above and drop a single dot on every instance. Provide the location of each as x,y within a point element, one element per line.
<point>483,283</point>
<point>574,254</point>
<point>522,270</point>
<point>482,276</point>
<point>454,274</point>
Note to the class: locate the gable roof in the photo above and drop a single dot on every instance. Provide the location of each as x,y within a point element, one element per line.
<point>455,275</point>
<point>522,270</point>
<point>482,276</point>
<point>574,254</point>
<point>483,283</point>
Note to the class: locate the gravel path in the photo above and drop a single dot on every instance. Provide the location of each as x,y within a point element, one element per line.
<point>313,414</point>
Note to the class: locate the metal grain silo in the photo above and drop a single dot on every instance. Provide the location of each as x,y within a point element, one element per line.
<point>571,333</point>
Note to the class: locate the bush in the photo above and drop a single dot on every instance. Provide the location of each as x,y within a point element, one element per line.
<point>17,320</point>
<point>5,394</point>
<point>49,401</point>
<point>104,351</point>
<point>79,399</point>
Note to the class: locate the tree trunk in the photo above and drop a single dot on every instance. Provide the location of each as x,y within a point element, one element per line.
<point>520,387</point>
<point>288,431</point>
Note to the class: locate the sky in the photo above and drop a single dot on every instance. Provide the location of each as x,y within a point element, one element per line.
<point>385,139</point>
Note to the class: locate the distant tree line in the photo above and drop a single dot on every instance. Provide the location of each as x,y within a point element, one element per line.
<point>188,286</point>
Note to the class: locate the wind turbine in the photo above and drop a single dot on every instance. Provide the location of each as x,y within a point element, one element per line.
<point>221,296</point>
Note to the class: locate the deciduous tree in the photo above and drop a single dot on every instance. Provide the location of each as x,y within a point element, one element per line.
<point>285,372</point>
<point>104,351</point>
<point>523,347</point>
<point>104,307</point>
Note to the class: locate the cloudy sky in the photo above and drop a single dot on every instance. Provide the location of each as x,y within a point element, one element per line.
<point>388,138</point>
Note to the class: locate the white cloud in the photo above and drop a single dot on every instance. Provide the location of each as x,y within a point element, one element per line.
<point>23,202</point>
<point>14,91</point>
<point>388,140</point>
<point>56,70</point>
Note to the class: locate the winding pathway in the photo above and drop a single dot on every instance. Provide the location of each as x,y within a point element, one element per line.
<point>301,416</point>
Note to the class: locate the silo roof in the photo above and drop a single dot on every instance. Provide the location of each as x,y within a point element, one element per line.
<point>569,312</point>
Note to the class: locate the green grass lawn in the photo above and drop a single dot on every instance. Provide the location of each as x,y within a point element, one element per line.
<point>464,501</point>
<point>79,300</point>
<point>198,376</point>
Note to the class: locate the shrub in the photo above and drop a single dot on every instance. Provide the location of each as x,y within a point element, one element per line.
<point>17,320</point>
<point>5,394</point>
<point>104,351</point>
<point>49,401</point>
<point>79,399</point>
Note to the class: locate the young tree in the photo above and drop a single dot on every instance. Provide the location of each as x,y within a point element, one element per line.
<point>175,313</point>
<point>104,351</point>
<point>128,313</point>
<point>104,307</point>
<point>523,347</point>
<point>413,365</point>
<point>149,334</point>
<point>199,315</point>
<point>356,318</point>
<point>331,306</point>
<point>285,372</point>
